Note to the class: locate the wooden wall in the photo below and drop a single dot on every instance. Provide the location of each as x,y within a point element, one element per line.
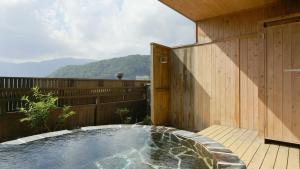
<point>223,79</point>
<point>242,24</point>
<point>283,91</point>
<point>247,28</point>
<point>252,83</point>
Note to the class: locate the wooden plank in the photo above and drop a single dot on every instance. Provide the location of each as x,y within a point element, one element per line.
<point>197,117</point>
<point>222,78</point>
<point>227,84</point>
<point>218,85</point>
<point>227,136</point>
<point>214,130</point>
<point>236,72</point>
<point>228,130</point>
<point>208,84</point>
<point>270,158</point>
<point>228,142</point>
<point>234,111</point>
<point>243,82</point>
<point>239,142</point>
<point>293,159</point>
<point>202,74</point>
<point>270,83</point>
<point>282,158</point>
<point>200,81</point>
<point>262,99</point>
<point>258,157</point>
<point>250,84</point>
<point>203,132</point>
<point>255,80</point>
<point>248,155</point>
<point>277,108</point>
<point>193,86</point>
<point>216,133</point>
<point>214,115</point>
<point>287,83</point>
<point>245,145</point>
<point>187,93</point>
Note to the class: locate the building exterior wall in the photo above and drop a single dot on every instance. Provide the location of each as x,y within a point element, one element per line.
<point>223,79</point>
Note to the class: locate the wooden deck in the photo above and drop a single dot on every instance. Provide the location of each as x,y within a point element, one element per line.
<point>255,154</point>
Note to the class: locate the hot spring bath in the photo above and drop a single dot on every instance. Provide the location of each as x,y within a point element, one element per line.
<point>111,147</point>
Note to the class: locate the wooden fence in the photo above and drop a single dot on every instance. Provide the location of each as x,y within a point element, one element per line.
<point>94,101</point>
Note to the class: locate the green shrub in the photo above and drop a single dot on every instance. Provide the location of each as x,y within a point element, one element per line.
<point>38,107</point>
<point>147,120</point>
<point>124,115</point>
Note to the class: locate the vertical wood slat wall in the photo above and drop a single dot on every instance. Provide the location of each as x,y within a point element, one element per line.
<point>205,86</point>
<point>223,78</point>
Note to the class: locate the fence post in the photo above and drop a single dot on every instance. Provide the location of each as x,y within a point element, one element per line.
<point>98,105</point>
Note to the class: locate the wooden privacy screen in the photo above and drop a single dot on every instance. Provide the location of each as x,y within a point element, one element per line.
<point>160,84</point>
<point>205,86</point>
<point>94,101</point>
<point>220,83</point>
<point>217,83</point>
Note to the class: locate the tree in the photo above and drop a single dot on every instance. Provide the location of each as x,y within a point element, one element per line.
<point>38,107</point>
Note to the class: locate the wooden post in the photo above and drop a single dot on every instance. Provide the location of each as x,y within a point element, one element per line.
<point>98,106</point>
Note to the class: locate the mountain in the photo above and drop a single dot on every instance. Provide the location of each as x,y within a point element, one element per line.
<point>131,66</point>
<point>37,69</point>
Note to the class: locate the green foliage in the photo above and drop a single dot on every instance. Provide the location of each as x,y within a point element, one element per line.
<point>131,66</point>
<point>124,115</point>
<point>147,120</point>
<point>37,109</point>
<point>66,113</point>
<point>127,120</point>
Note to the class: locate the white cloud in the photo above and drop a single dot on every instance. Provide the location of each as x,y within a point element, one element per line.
<point>12,2</point>
<point>97,29</point>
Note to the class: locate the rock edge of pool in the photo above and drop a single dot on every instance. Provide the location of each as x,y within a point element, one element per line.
<point>221,157</point>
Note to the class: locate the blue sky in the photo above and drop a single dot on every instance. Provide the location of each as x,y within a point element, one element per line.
<point>35,30</point>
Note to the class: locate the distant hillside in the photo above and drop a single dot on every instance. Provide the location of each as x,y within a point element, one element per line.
<point>37,69</point>
<point>131,66</point>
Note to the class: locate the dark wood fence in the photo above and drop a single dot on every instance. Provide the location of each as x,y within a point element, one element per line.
<point>94,101</point>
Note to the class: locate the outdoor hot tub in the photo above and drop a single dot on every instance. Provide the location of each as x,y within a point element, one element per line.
<point>117,147</point>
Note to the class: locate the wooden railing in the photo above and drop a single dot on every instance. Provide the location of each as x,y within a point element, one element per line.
<point>94,101</point>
